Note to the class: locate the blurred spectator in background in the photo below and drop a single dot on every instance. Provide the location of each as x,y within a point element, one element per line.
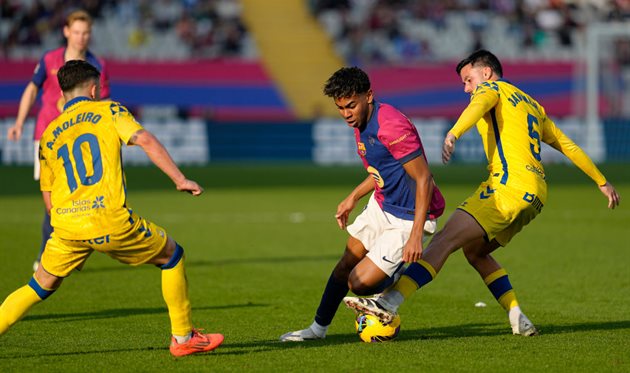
<point>363,31</point>
<point>154,30</point>
<point>409,31</point>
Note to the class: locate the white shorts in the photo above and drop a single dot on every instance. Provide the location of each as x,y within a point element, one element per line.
<point>36,159</point>
<point>384,236</point>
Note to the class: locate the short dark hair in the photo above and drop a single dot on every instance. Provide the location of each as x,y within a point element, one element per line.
<point>482,57</point>
<point>76,72</point>
<point>346,82</point>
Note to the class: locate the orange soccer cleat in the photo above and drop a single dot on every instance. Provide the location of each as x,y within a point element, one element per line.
<point>197,343</point>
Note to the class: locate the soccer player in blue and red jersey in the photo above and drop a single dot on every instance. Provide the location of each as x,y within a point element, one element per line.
<point>403,207</point>
<point>77,32</point>
<point>512,126</point>
<point>83,188</point>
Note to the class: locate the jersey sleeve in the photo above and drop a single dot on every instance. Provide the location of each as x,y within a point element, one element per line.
<point>553,136</point>
<point>39,75</point>
<point>399,135</point>
<point>46,177</point>
<point>124,122</point>
<point>484,98</point>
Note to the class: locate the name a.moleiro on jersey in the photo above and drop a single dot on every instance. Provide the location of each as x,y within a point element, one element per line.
<point>80,118</point>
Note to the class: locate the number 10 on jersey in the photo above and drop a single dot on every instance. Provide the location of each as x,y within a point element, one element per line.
<point>73,161</point>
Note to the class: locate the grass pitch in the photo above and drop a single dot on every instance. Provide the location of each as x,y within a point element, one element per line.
<point>260,245</point>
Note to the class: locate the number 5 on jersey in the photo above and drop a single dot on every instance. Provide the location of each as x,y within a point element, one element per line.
<point>534,134</point>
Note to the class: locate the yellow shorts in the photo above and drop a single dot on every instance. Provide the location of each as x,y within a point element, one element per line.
<point>503,211</point>
<point>136,244</point>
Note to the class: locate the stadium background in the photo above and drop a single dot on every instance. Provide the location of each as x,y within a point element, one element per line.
<point>260,243</point>
<point>231,80</point>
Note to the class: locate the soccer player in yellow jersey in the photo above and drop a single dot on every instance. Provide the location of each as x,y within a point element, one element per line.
<point>512,126</point>
<point>83,187</point>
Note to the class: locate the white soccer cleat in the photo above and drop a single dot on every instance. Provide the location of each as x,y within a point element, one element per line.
<point>523,326</point>
<point>301,335</point>
<point>370,306</point>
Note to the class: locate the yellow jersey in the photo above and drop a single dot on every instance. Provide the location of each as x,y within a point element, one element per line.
<point>512,126</point>
<point>81,166</point>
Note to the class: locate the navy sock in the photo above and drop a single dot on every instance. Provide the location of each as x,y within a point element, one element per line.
<point>332,297</point>
<point>47,230</point>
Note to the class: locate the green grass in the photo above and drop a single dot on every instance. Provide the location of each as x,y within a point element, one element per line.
<point>260,245</point>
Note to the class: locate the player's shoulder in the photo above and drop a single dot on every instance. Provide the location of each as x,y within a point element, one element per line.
<point>115,107</point>
<point>54,52</point>
<point>50,59</point>
<point>488,86</point>
<point>96,61</point>
<point>388,113</point>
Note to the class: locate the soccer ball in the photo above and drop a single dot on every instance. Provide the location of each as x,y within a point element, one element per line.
<point>370,329</point>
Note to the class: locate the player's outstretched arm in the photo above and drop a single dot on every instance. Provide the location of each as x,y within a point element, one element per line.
<point>29,96</point>
<point>579,158</point>
<point>610,193</point>
<point>158,154</point>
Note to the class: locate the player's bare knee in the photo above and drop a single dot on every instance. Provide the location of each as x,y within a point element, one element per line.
<point>167,252</point>
<point>358,286</point>
<point>473,256</point>
<point>43,283</point>
<point>175,257</point>
<point>479,251</point>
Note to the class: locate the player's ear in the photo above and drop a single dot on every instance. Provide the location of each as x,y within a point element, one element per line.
<point>487,72</point>
<point>95,91</point>
<point>370,96</point>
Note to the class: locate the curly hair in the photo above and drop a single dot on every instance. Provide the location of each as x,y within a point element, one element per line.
<point>346,82</point>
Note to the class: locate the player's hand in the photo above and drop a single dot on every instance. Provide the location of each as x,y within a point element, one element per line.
<point>612,195</point>
<point>448,147</point>
<point>343,211</point>
<point>14,133</point>
<point>190,186</point>
<point>412,252</point>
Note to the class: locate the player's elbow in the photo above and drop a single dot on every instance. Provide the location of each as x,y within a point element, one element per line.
<point>144,139</point>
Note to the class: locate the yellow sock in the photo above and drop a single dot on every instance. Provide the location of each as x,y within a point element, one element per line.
<point>406,286</point>
<point>508,300</point>
<point>175,293</point>
<point>500,286</point>
<point>417,275</point>
<point>16,306</point>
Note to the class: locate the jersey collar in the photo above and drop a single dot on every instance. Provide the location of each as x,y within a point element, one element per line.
<point>74,101</point>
